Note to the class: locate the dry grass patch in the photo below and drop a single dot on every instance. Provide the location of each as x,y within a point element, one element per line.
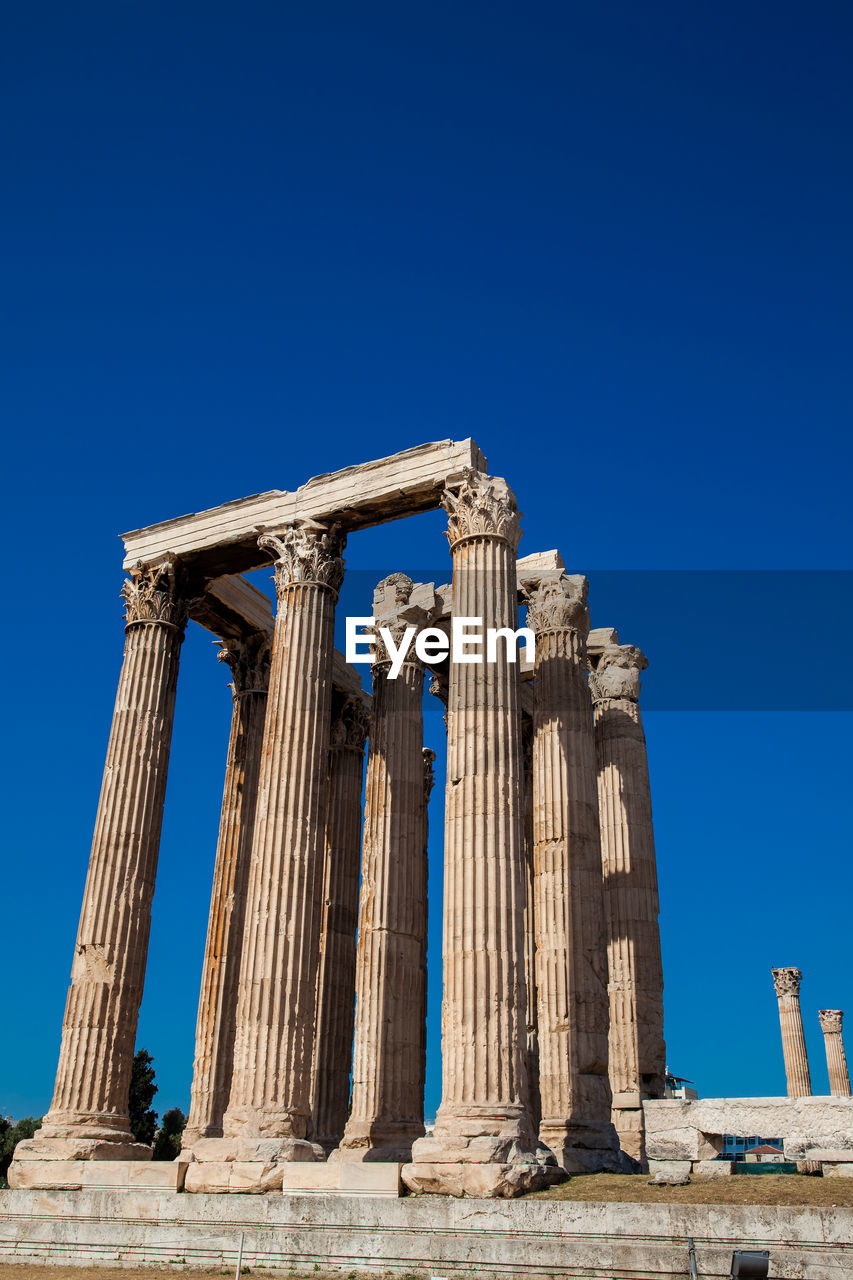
<point>767,1188</point>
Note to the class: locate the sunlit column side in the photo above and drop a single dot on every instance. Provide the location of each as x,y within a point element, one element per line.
<point>483,1142</point>
<point>571,948</point>
<point>534,1101</point>
<point>637,1052</point>
<point>387,1078</point>
<point>88,1117</point>
<point>268,1114</point>
<point>787,984</point>
<point>249,660</point>
<point>836,1058</point>
<point>330,1089</point>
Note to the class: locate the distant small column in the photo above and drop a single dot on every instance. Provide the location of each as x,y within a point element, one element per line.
<point>249,661</point>
<point>635,974</point>
<point>387,1078</point>
<point>836,1058</point>
<point>787,984</point>
<point>571,945</point>
<point>336,980</point>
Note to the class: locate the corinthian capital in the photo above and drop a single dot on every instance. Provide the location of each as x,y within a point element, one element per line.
<point>249,660</point>
<point>830,1020</point>
<point>481,506</point>
<point>617,673</point>
<point>351,725</point>
<point>557,603</point>
<point>150,594</point>
<point>307,553</point>
<point>787,981</point>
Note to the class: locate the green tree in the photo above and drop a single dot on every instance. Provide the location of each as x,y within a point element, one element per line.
<point>143,1118</point>
<point>167,1144</point>
<point>10,1136</point>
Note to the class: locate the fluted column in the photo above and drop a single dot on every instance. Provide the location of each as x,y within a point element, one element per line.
<point>268,1114</point>
<point>637,1052</point>
<point>836,1058</point>
<point>387,1083</point>
<point>787,984</point>
<point>483,1142</point>
<point>336,978</point>
<point>88,1117</point>
<point>571,950</point>
<point>249,660</point>
<point>534,1102</point>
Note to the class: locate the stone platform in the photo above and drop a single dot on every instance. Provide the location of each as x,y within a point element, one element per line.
<point>426,1234</point>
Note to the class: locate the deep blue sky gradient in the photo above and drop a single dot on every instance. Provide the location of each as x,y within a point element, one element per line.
<point>244,245</point>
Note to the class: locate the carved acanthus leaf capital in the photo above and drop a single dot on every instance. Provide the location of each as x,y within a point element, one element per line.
<point>351,725</point>
<point>558,602</point>
<point>249,660</point>
<point>429,773</point>
<point>481,506</point>
<point>151,594</point>
<point>830,1020</point>
<point>787,981</point>
<point>617,673</point>
<point>307,552</point>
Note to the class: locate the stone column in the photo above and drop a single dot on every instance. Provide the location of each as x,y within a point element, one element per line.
<point>836,1058</point>
<point>88,1117</point>
<point>336,979</point>
<point>787,984</point>
<point>249,660</point>
<point>484,1144</point>
<point>268,1118</point>
<point>534,1102</point>
<point>571,949</point>
<point>387,1079</point>
<point>637,1052</point>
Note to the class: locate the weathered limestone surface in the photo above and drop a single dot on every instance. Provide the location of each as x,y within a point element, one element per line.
<point>637,1053</point>
<point>330,1088</point>
<point>88,1115</point>
<point>225,540</point>
<point>249,661</point>
<point>693,1130</point>
<point>483,1144</point>
<point>268,1117</point>
<point>571,954</point>
<point>388,1066</point>
<point>535,1238</point>
<point>531,1060</point>
<point>836,1058</point>
<point>787,984</point>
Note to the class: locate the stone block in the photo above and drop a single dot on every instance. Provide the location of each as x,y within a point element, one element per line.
<point>838,1170</point>
<point>669,1168</point>
<point>713,1168</point>
<point>343,1177</point>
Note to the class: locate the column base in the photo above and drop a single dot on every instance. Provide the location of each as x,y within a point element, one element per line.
<point>586,1148</point>
<point>252,1165</point>
<point>483,1154</point>
<point>630,1130</point>
<point>367,1144</point>
<point>44,1161</point>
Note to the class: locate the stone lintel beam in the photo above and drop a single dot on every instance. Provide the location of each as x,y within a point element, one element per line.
<point>224,540</point>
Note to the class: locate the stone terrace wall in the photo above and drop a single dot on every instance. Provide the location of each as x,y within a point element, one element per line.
<point>432,1234</point>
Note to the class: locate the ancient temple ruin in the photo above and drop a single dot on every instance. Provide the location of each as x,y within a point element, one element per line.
<point>552,1031</point>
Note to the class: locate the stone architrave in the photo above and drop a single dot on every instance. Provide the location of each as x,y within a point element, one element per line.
<point>249,660</point>
<point>787,985</point>
<point>387,1079</point>
<point>571,947</point>
<point>637,1051</point>
<point>268,1118</point>
<point>88,1117</point>
<point>336,979</point>
<point>836,1058</point>
<point>483,1143</point>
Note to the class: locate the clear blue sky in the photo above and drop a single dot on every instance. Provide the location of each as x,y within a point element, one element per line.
<point>244,245</point>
